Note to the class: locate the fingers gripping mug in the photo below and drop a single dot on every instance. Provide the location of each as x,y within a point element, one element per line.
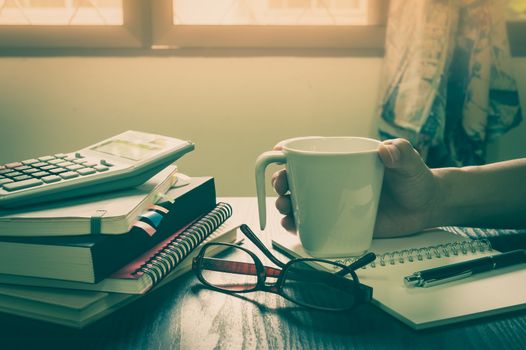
<point>335,185</point>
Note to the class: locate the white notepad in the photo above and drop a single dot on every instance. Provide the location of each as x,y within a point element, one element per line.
<point>484,294</point>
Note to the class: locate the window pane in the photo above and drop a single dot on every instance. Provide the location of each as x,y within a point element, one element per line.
<point>61,12</point>
<point>272,12</point>
<point>517,10</point>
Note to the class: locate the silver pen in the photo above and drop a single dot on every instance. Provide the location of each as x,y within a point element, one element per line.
<point>453,272</point>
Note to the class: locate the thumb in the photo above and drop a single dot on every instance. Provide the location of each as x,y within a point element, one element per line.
<point>400,156</point>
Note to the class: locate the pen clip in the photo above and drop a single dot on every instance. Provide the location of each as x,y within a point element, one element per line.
<point>434,282</point>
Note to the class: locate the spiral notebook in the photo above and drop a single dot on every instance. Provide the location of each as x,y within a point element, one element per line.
<point>481,295</point>
<point>149,269</point>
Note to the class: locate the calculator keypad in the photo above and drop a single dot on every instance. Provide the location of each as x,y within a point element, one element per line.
<point>48,169</point>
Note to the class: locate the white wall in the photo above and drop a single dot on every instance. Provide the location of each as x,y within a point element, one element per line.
<point>232,108</point>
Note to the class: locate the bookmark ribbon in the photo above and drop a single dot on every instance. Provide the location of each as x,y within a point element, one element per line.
<point>96,222</point>
<point>150,220</point>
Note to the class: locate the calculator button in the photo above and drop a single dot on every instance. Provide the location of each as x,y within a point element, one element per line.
<point>80,161</point>
<point>38,165</point>
<point>74,167</point>
<point>5,171</point>
<point>15,186</point>
<point>22,168</point>
<point>101,168</point>
<point>40,174</point>
<point>65,164</point>
<point>61,155</point>
<point>21,177</point>
<point>69,175</point>
<point>2,167</point>
<point>12,165</point>
<point>48,167</point>
<point>55,161</point>
<point>90,164</point>
<point>51,178</point>
<point>86,171</point>
<point>46,158</point>
<point>13,174</point>
<point>105,162</point>
<point>58,170</point>
<point>78,155</point>
<point>30,161</point>
<point>5,181</point>
<point>30,171</point>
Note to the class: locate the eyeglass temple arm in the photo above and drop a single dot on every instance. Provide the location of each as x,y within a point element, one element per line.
<point>252,236</point>
<point>361,262</point>
<point>238,267</point>
<point>311,274</point>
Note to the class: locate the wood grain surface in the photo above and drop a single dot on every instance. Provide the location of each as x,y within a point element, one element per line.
<point>185,315</point>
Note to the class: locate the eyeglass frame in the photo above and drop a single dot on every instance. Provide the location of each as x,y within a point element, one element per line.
<point>362,292</point>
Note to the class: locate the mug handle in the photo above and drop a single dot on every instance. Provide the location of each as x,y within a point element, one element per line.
<point>264,160</point>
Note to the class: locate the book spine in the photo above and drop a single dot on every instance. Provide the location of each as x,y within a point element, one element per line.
<point>175,251</point>
<point>116,251</point>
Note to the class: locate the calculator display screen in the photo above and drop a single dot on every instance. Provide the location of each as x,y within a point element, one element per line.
<point>127,149</point>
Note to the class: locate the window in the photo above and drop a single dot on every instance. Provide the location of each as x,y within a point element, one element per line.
<point>71,23</point>
<point>517,10</point>
<point>55,12</point>
<point>191,23</point>
<point>269,23</point>
<point>146,24</point>
<point>517,27</point>
<point>270,12</point>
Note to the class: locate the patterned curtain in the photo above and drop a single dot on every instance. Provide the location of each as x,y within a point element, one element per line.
<point>447,81</point>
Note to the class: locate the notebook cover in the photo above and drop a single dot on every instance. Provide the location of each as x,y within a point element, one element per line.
<point>128,271</point>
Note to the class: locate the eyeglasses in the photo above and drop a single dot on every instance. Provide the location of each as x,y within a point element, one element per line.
<point>309,282</point>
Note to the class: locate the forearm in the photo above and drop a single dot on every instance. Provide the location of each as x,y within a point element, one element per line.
<point>492,195</point>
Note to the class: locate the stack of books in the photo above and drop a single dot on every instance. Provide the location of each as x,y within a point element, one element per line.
<point>75,261</point>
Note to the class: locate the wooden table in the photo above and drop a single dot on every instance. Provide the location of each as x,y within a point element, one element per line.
<point>185,315</point>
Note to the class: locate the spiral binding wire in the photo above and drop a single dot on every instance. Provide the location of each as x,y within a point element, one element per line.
<point>169,256</point>
<point>426,253</point>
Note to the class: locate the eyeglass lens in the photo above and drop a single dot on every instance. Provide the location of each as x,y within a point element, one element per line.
<point>235,275</point>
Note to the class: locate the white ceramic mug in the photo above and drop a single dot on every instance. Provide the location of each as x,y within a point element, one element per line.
<point>335,185</point>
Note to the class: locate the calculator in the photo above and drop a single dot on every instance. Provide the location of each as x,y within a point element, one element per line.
<point>122,161</point>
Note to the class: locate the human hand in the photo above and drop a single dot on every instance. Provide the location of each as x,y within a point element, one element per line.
<point>409,192</point>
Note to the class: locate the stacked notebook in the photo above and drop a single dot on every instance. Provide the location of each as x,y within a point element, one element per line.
<point>81,307</point>
<point>75,261</point>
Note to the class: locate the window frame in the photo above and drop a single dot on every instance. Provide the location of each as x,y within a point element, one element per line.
<point>129,35</point>
<point>148,30</point>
